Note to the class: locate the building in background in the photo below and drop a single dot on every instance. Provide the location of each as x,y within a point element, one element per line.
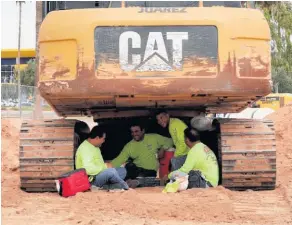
<point>8,63</point>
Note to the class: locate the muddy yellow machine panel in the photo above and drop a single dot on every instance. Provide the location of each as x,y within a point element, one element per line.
<point>191,58</point>
<point>58,60</point>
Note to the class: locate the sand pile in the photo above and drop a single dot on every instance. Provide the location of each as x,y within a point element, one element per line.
<point>283,126</point>
<point>9,146</point>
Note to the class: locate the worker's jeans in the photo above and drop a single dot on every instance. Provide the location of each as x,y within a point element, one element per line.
<point>111,176</point>
<point>196,179</point>
<point>177,162</point>
<point>133,171</point>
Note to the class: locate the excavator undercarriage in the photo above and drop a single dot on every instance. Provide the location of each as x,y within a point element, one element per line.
<point>246,151</point>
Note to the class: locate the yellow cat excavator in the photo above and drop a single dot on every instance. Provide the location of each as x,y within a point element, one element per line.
<point>121,61</point>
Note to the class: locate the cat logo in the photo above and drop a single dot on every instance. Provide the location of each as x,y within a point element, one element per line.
<point>155,56</point>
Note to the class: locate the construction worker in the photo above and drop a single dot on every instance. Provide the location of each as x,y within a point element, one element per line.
<point>201,164</point>
<point>88,156</point>
<point>143,150</point>
<point>176,129</point>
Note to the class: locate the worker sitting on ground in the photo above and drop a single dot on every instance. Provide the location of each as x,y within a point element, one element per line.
<point>201,164</point>
<point>176,129</point>
<point>88,156</point>
<point>143,150</point>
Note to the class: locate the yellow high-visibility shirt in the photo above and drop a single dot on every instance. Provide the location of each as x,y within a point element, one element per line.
<point>143,152</point>
<point>89,157</point>
<point>202,158</point>
<point>176,130</point>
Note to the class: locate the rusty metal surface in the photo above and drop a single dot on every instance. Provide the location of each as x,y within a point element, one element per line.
<point>45,152</point>
<point>248,154</point>
<point>88,93</point>
<point>75,77</point>
<point>140,113</point>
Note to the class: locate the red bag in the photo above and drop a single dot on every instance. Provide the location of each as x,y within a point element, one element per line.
<point>73,182</point>
<point>165,163</point>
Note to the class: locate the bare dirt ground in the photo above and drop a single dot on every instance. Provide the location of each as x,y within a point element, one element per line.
<point>149,205</point>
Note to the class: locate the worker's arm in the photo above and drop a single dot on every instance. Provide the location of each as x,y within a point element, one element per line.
<point>188,165</point>
<point>108,164</point>
<point>164,142</point>
<point>122,157</point>
<point>89,165</point>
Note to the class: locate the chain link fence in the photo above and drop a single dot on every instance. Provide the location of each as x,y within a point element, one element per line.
<point>12,106</point>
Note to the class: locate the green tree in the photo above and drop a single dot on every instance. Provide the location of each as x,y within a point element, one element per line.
<point>28,74</point>
<point>279,17</point>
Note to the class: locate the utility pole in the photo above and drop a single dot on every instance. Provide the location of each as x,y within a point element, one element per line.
<point>38,113</point>
<point>277,87</point>
<point>18,57</point>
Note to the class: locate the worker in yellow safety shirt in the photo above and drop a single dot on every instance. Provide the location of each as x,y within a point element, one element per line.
<point>176,129</point>
<point>143,151</point>
<point>88,156</point>
<point>201,163</point>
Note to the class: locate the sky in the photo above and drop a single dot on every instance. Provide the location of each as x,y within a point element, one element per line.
<point>9,25</point>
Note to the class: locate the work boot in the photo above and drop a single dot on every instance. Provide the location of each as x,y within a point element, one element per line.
<point>94,188</point>
<point>133,183</point>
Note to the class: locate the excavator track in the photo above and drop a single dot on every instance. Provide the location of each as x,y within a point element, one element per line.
<point>46,151</point>
<point>248,154</point>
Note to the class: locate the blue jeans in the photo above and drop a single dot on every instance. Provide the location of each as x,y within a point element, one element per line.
<point>111,176</point>
<point>177,162</point>
<point>196,179</point>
